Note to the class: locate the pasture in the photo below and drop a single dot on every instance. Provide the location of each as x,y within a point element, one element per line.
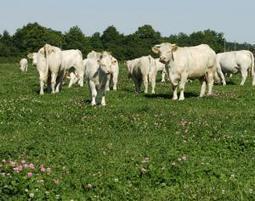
<point>138,147</point>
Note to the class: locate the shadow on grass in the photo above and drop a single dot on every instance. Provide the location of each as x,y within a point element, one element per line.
<point>169,96</point>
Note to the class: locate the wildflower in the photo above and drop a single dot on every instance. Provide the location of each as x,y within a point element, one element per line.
<point>31,195</point>
<point>26,165</point>
<point>31,166</point>
<point>146,160</point>
<point>42,168</point>
<point>48,170</point>
<point>12,163</point>
<point>184,158</point>
<point>56,181</point>
<point>23,161</point>
<point>30,174</point>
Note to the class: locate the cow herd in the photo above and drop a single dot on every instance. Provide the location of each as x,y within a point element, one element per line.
<point>101,69</point>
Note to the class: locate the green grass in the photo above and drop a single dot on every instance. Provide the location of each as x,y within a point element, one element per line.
<point>138,147</point>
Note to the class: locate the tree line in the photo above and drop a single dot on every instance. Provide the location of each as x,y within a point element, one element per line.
<point>32,36</point>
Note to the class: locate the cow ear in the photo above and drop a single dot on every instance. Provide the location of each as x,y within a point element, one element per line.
<point>155,49</point>
<point>41,51</point>
<point>174,47</point>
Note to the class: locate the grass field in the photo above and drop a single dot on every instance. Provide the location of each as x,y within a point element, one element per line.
<point>138,147</point>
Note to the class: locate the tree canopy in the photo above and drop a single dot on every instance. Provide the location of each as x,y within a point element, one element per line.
<point>33,36</point>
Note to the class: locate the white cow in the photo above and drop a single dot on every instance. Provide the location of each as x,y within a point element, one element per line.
<point>183,63</point>
<point>144,70</point>
<point>73,58</point>
<point>33,56</point>
<point>96,71</point>
<point>112,78</point>
<point>73,77</point>
<point>23,64</point>
<point>161,68</point>
<point>49,66</point>
<point>235,61</point>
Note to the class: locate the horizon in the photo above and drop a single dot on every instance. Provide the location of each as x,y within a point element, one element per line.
<point>169,18</point>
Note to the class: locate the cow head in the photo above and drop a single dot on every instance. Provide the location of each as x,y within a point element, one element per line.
<point>34,58</point>
<point>165,50</point>
<point>105,62</point>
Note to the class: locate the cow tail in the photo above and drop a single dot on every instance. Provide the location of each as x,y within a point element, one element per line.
<point>252,69</point>
<point>252,64</point>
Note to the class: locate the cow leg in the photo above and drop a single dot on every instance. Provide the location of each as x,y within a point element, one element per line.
<point>175,90</point>
<point>93,90</point>
<point>53,82</point>
<point>103,103</point>
<point>41,87</point>
<point>182,87</point>
<point>244,74</point>
<point>253,79</point>
<point>115,80</point>
<point>153,83</point>
<point>145,82</point>
<point>80,77</point>
<point>203,87</point>
<point>43,80</point>
<point>107,85</point>
<point>222,77</point>
<point>210,81</point>
<point>163,75</point>
<point>60,81</point>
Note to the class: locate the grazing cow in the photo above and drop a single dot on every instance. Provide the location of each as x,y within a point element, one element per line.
<point>73,58</point>
<point>23,64</point>
<point>161,68</point>
<point>233,62</point>
<point>183,63</point>
<point>33,56</point>
<point>144,70</point>
<point>49,66</point>
<point>96,71</point>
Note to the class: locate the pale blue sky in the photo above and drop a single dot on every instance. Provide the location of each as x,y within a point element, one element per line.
<point>235,18</point>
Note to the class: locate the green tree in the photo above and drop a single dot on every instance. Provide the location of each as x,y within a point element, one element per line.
<point>7,47</point>
<point>96,42</point>
<point>75,39</point>
<point>140,43</point>
<point>113,41</point>
<point>33,36</point>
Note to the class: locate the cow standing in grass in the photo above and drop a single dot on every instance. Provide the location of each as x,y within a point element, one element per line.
<point>73,58</point>
<point>97,69</point>
<point>234,62</point>
<point>23,64</point>
<point>143,70</point>
<point>161,68</point>
<point>183,63</point>
<point>49,66</point>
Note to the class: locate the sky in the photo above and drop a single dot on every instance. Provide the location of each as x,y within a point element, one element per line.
<point>234,18</point>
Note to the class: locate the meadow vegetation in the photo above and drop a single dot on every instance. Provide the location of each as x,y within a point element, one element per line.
<point>138,147</point>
